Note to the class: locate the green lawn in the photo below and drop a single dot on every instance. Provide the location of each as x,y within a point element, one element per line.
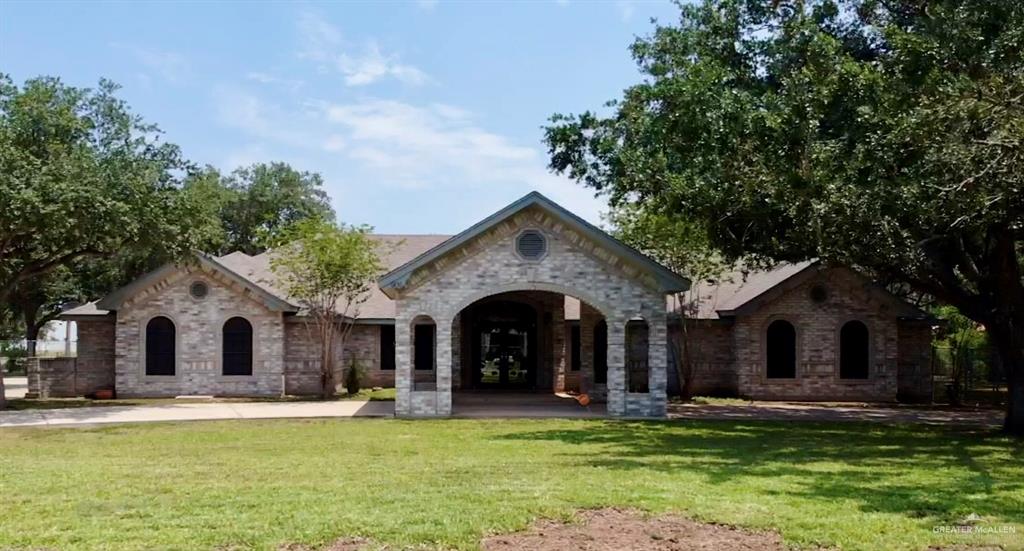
<point>258,484</point>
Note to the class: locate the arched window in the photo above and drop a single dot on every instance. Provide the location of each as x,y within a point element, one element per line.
<point>854,355</point>
<point>601,353</point>
<point>236,354</point>
<point>780,351</point>
<point>637,374</point>
<point>160,346</point>
<point>424,353</point>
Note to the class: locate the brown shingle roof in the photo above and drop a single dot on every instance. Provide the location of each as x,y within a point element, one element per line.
<point>395,251</point>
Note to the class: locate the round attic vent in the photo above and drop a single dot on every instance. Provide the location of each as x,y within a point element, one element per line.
<point>198,289</point>
<point>531,245</point>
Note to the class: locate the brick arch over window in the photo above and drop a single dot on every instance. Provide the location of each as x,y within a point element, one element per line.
<point>780,350</point>
<point>236,357</point>
<point>161,342</point>
<point>854,350</point>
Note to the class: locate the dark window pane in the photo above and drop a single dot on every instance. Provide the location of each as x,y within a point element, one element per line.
<point>636,356</point>
<point>237,347</point>
<point>424,344</point>
<point>781,350</point>
<point>601,352</point>
<point>574,346</point>
<point>160,346</point>
<point>854,356</point>
<point>387,347</point>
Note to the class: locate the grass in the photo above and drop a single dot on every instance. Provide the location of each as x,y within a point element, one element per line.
<point>372,395</point>
<point>258,484</point>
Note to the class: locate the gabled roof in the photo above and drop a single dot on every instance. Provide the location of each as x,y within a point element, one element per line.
<point>741,292</point>
<point>114,300</point>
<point>667,280</point>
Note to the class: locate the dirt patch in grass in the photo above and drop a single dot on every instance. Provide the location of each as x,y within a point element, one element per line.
<point>621,529</point>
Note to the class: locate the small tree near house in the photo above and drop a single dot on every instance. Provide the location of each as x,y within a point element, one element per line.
<point>684,248</point>
<point>328,270</point>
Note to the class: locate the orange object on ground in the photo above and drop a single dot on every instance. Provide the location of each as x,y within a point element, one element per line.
<point>583,399</point>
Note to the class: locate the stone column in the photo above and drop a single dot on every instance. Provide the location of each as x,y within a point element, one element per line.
<point>657,364</point>
<point>616,367</point>
<point>444,367</point>
<point>403,367</point>
<point>558,344</point>
<point>588,319</point>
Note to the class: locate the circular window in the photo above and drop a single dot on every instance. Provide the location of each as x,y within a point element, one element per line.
<point>819,294</point>
<point>531,245</point>
<point>198,289</point>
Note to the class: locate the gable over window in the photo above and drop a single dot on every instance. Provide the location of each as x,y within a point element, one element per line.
<point>236,356</point>
<point>160,337</point>
<point>780,350</point>
<point>854,351</point>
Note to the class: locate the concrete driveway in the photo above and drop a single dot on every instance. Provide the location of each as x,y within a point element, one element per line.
<point>193,412</point>
<point>15,387</point>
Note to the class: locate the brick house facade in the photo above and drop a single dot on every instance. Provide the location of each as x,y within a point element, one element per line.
<point>531,299</point>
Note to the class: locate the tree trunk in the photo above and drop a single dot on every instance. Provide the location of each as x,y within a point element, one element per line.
<point>31,335</point>
<point>1009,341</point>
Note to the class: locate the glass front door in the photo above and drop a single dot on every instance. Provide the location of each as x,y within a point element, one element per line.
<point>504,356</point>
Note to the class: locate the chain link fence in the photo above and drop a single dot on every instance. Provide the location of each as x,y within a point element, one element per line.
<point>968,375</point>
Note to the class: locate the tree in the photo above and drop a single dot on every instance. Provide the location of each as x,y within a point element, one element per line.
<point>268,197</point>
<point>82,177</point>
<point>328,270</point>
<point>884,135</point>
<point>684,247</point>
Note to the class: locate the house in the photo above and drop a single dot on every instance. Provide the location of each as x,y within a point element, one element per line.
<point>530,299</point>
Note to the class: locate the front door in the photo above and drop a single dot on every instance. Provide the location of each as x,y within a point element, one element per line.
<point>504,357</point>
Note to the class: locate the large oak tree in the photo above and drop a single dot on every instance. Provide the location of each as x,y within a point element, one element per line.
<point>883,134</point>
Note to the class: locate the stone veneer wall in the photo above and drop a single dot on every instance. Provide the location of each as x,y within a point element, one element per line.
<point>91,370</point>
<point>489,265</point>
<point>198,325</point>
<point>302,362</point>
<point>715,363</point>
<point>817,327</point>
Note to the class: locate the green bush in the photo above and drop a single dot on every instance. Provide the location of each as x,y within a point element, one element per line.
<point>353,377</point>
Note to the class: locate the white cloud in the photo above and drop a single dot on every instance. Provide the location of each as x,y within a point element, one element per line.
<point>322,43</point>
<point>401,145</point>
<point>266,78</point>
<point>170,66</point>
<point>426,4</point>
<point>626,9</point>
<point>372,65</point>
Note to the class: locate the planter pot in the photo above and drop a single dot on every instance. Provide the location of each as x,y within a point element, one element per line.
<point>104,394</point>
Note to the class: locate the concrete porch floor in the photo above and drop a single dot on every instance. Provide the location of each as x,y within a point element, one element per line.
<point>536,405</point>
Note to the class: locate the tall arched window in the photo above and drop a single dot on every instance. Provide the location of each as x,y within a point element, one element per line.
<point>854,355</point>
<point>236,354</point>
<point>160,346</point>
<point>780,351</point>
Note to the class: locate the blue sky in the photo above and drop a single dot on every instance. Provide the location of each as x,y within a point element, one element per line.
<point>423,117</point>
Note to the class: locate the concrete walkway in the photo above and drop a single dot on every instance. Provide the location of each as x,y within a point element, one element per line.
<point>193,412</point>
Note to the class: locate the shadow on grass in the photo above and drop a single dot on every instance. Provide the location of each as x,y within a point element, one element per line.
<point>881,468</point>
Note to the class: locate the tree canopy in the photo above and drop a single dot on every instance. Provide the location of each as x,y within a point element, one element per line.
<point>82,176</point>
<point>884,135</point>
